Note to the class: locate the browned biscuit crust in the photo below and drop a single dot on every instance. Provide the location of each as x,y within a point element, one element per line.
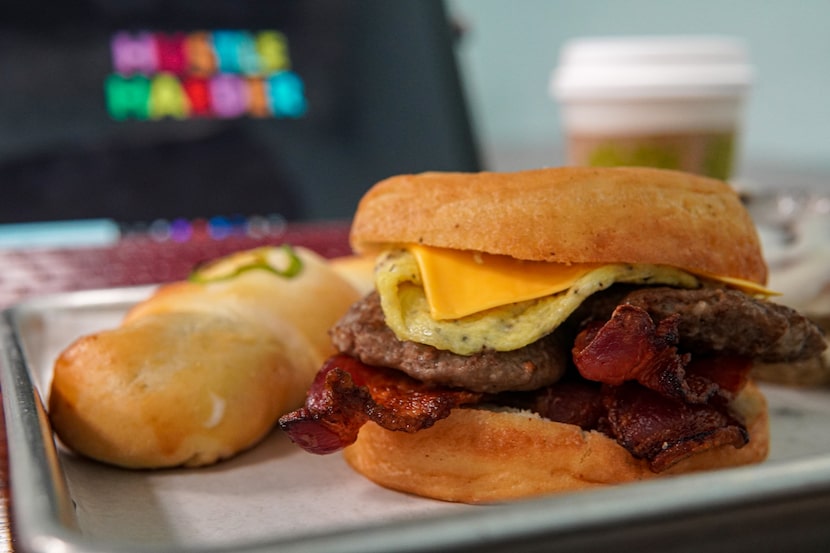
<point>480,456</point>
<point>568,215</point>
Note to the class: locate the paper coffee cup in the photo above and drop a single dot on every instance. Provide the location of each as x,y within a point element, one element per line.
<point>673,102</point>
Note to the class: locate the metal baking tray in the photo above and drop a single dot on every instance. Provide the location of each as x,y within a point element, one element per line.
<point>278,498</point>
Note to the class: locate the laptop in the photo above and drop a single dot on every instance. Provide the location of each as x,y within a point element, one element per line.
<point>138,110</point>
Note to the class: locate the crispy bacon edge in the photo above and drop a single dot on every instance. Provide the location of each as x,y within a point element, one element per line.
<point>346,394</point>
<point>631,346</point>
<point>664,431</point>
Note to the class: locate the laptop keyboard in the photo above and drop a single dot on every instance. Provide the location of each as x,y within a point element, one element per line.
<point>142,259</point>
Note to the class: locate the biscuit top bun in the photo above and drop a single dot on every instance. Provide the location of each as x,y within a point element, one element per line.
<point>568,215</point>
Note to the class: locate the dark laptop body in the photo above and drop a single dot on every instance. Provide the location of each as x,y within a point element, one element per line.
<point>360,90</point>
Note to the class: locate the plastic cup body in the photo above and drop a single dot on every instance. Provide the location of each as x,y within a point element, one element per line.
<point>669,102</point>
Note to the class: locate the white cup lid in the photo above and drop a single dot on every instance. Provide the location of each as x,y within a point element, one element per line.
<point>651,66</point>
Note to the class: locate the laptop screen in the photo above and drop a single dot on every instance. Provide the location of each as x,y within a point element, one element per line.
<point>135,110</point>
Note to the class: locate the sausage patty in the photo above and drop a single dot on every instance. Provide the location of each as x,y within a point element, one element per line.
<point>710,321</point>
<point>362,333</point>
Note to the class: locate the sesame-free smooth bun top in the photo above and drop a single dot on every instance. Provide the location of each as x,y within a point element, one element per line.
<point>568,215</point>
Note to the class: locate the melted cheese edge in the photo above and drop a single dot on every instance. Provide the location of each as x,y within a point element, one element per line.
<point>465,302</point>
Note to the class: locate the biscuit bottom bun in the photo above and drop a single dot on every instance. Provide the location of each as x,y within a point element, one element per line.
<point>483,456</point>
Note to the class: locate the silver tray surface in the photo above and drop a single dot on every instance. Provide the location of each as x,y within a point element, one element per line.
<point>278,498</point>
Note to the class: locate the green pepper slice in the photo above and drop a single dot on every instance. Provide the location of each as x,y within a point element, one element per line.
<point>283,261</point>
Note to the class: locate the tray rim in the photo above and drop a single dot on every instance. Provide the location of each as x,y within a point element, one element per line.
<point>774,493</point>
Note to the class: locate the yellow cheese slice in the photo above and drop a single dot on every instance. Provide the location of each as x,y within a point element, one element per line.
<point>745,286</point>
<point>459,283</point>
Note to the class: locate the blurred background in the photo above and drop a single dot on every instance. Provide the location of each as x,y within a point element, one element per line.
<point>187,129</point>
<point>509,49</point>
<point>138,110</point>
<point>95,123</point>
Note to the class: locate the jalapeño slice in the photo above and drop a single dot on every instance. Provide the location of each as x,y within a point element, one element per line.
<point>280,260</point>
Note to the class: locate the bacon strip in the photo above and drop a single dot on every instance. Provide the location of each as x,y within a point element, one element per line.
<point>573,401</point>
<point>346,394</point>
<point>664,431</point>
<point>630,346</point>
<point>650,426</point>
<point>729,373</point>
